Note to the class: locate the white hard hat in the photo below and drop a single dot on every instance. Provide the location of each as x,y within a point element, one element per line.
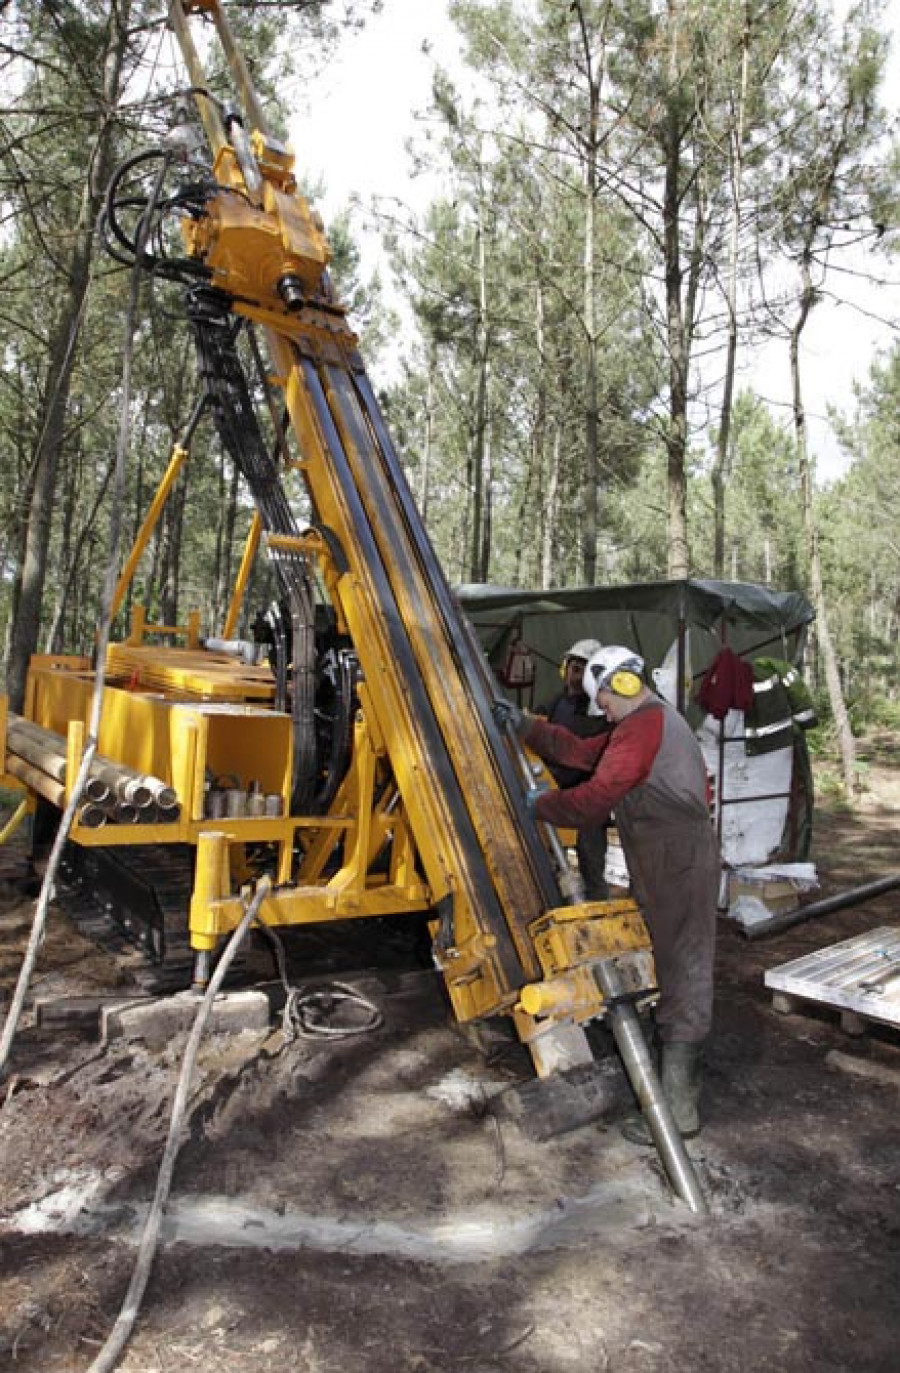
<point>602,674</point>
<point>583,648</point>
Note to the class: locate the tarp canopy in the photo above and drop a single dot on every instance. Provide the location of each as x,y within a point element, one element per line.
<point>652,617</point>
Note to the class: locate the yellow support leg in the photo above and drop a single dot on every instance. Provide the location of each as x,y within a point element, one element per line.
<point>212,882</point>
<point>15,820</point>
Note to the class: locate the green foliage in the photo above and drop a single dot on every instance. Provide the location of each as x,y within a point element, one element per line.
<point>88,94</point>
<point>540,367</point>
<point>567,316</point>
<point>762,502</point>
<point>860,514</point>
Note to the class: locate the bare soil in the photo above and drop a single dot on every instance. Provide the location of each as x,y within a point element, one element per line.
<point>365,1203</point>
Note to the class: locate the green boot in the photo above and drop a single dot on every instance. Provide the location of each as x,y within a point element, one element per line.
<point>680,1081</point>
<point>681,1085</point>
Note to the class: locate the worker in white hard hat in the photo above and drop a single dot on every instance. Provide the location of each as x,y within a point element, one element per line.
<point>569,708</point>
<point>650,770</point>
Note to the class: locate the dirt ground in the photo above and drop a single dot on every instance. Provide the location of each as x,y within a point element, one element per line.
<point>366,1203</point>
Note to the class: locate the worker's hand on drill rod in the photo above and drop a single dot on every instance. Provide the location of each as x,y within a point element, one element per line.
<point>533,794</point>
<point>508,713</point>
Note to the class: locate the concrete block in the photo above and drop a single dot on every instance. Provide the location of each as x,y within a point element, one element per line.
<point>158,1019</point>
<point>77,1012</point>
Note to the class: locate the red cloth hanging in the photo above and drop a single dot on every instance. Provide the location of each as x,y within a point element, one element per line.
<point>727,685</point>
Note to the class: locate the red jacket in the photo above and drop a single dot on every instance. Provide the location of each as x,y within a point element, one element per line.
<point>651,757</point>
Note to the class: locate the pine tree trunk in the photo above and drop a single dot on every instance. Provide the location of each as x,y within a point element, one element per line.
<point>73,567</point>
<point>677,556</point>
<point>589,519</point>
<point>594,67</point>
<point>428,437</point>
<point>27,618</point>
<point>25,630</point>
<point>846,741</point>
<point>719,474</point>
<point>480,458</point>
<point>534,516</point>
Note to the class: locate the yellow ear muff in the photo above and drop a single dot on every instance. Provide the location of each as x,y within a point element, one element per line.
<point>625,683</point>
<point>562,668</point>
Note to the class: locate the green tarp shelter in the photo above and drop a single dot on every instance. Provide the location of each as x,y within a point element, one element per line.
<point>692,618</point>
<point>678,627</point>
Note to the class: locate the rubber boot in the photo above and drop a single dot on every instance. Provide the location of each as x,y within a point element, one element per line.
<point>681,1085</point>
<point>680,1081</point>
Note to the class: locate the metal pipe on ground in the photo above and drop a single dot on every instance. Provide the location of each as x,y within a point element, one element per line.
<point>854,897</point>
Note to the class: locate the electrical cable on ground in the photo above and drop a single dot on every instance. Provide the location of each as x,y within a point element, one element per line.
<point>307,1014</point>
<point>118,1337</point>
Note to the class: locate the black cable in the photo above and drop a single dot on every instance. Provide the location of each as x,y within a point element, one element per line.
<point>311,1013</point>
<point>234,412</point>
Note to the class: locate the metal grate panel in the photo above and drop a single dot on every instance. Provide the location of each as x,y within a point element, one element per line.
<point>860,974</point>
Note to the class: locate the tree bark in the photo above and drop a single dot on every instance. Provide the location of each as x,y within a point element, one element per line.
<point>720,469</point>
<point>590,507</point>
<point>677,335</point>
<point>548,550</point>
<point>27,616</point>
<point>480,460</point>
<point>25,630</point>
<point>428,436</point>
<point>846,741</point>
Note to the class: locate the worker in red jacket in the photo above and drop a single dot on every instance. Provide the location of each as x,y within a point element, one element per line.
<point>649,769</point>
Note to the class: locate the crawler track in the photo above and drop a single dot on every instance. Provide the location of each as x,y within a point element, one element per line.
<point>136,898</point>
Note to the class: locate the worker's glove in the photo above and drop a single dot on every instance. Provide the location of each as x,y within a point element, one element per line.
<point>532,794</point>
<point>508,713</point>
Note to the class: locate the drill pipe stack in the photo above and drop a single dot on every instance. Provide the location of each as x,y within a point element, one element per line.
<point>113,793</point>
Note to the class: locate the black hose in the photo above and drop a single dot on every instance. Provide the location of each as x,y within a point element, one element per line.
<point>240,432</point>
<point>127,248</point>
<point>854,897</point>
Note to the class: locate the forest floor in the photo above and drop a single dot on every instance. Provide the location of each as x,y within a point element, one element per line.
<point>363,1204</point>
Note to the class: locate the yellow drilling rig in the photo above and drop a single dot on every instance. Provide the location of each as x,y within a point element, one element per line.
<point>359,749</point>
